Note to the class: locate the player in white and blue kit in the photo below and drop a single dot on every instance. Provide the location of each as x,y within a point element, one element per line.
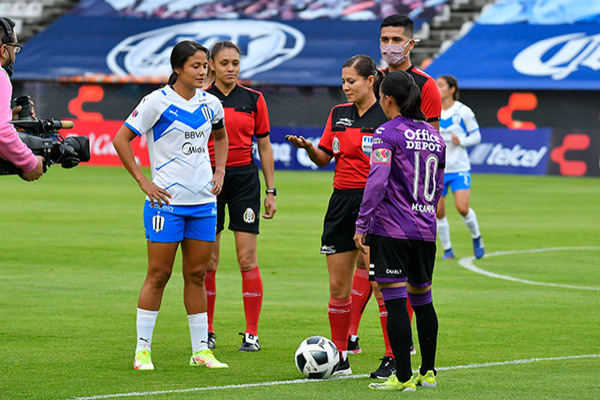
<point>180,207</point>
<point>460,129</point>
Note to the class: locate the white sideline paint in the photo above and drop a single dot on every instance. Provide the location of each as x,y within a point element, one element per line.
<point>278,383</point>
<point>467,262</point>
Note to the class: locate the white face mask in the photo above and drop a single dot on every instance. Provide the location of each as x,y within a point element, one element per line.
<point>394,54</point>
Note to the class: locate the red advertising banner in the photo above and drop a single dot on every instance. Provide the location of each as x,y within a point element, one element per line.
<point>101,132</point>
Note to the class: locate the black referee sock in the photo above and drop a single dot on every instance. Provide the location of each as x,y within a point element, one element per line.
<point>400,335</point>
<point>427,328</point>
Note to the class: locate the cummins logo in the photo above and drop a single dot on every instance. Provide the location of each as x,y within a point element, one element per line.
<point>574,50</point>
<point>496,154</point>
<point>264,45</point>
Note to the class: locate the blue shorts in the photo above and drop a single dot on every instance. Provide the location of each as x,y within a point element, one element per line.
<point>457,181</point>
<point>168,224</point>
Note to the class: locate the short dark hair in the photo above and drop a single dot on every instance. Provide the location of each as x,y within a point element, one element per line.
<point>7,35</point>
<point>399,20</point>
<point>181,53</point>
<point>402,87</point>
<point>452,83</point>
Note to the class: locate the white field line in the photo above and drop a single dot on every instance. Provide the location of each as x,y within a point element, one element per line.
<point>289,382</point>
<point>467,262</point>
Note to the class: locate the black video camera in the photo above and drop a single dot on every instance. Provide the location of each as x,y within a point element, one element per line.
<point>42,137</point>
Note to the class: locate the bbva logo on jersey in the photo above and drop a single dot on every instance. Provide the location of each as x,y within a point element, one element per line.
<point>264,45</point>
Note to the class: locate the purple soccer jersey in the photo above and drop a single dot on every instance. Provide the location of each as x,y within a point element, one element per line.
<point>405,181</point>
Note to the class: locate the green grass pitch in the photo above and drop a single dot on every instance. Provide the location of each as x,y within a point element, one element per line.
<point>73,259</point>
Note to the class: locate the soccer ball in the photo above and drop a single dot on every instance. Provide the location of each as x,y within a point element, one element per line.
<point>317,357</point>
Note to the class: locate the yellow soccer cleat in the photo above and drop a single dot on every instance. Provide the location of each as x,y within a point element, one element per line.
<point>394,385</point>
<point>427,380</point>
<point>206,358</point>
<point>143,360</point>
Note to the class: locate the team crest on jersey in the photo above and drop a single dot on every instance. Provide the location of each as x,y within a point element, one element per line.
<point>249,216</point>
<point>158,223</point>
<point>367,145</point>
<point>207,113</point>
<point>382,156</point>
<point>336,145</point>
<point>456,119</point>
<point>135,113</point>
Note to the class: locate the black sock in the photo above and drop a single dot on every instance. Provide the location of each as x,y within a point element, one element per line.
<point>400,335</point>
<point>427,327</point>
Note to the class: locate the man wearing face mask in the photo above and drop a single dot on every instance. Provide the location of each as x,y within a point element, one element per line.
<point>396,41</point>
<point>11,147</point>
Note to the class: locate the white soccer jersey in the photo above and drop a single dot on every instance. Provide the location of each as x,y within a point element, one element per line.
<point>459,120</point>
<point>177,132</point>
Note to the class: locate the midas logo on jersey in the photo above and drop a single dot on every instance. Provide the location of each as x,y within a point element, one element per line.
<point>188,149</point>
<point>491,154</point>
<point>264,45</point>
<point>382,156</point>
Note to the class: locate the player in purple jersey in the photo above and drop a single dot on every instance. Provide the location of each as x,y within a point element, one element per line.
<point>398,211</point>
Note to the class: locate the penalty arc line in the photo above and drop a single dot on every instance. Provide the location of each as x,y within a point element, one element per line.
<point>467,263</point>
<point>295,381</point>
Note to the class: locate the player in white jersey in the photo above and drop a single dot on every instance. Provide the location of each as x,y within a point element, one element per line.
<point>460,129</point>
<point>180,207</point>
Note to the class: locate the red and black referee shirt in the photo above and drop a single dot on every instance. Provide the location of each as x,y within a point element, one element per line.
<point>348,138</point>
<point>431,100</point>
<point>246,115</point>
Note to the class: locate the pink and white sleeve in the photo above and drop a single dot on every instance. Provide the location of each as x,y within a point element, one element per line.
<point>11,147</point>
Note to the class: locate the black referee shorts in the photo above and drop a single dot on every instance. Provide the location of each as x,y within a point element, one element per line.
<point>241,194</point>
<point>401,260</point>
<point>340,221</point>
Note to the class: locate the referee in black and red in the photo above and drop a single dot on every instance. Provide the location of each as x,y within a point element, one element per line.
<point>396,41</point>
<point>246,118</point>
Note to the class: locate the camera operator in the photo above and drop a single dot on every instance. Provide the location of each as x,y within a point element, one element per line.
<point>11,147</point>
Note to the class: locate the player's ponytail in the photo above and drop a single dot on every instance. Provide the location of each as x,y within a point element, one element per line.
<point>377,84</point>
<point>181,53</point>
<point>403,89</point>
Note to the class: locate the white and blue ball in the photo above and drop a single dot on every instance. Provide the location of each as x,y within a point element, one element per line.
<point>317,357</point>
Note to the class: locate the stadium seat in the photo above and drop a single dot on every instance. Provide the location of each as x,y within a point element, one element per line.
<point>22,9</point>
<point>35,9</point>
<point>18,25</point>
<point>444,15</point>
<point>5,9</point>
<point>423,32</point>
